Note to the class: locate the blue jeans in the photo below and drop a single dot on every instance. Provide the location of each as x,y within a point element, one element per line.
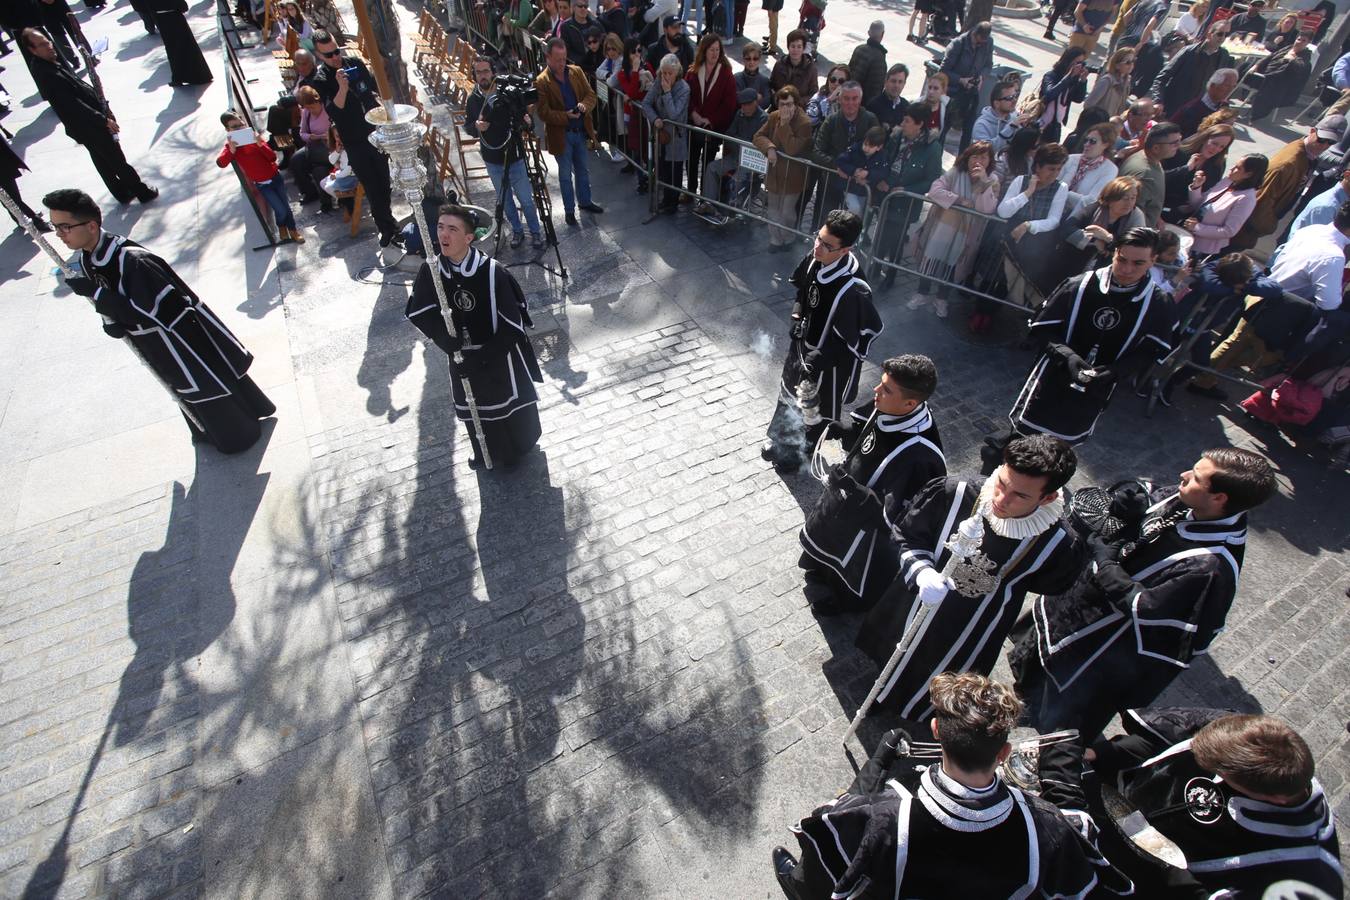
<point>520,186</point>
<point>274,192</point>
<point>573,160</point>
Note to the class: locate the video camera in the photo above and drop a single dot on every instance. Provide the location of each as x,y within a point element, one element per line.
<point>517,93</point>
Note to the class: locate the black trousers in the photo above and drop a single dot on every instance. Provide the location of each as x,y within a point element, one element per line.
<point>372,170</point>
<point>122,180</point>
<point>702,150</point>
<point>306,167</point>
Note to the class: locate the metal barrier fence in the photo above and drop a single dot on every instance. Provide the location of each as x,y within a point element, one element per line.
<point>236,93</point>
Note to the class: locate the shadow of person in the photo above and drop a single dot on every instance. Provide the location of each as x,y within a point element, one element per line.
<point>179,601</point>
<point>389,350</point>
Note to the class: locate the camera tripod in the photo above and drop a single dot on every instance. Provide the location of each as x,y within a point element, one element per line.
<point>543,206</point>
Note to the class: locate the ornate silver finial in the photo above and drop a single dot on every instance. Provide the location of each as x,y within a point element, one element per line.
<point>972,573</point>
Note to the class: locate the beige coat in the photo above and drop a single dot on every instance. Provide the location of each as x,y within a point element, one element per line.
<point>793,138</point>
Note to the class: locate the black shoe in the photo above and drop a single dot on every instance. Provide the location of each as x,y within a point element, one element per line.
<point>1049,35</point>
<point>475,462</point>
<point>571,219</point>
<point>537,242</point>
<point>148,195</point>
<point>784,864</point>
<point>1213,393</point>
<point>591,207</point>
<point>767,452</point>
<point>517,240</point>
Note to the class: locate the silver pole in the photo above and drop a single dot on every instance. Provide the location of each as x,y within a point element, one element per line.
<point>68,272</point>
<point>398,135</point>
<point>964,544</point>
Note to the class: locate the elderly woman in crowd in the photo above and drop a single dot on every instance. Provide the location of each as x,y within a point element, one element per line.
<point>826,100</point>
<point>1220,212</point>
<point>1086,235</point>
<point>787,131</point>
<point>310,161</point>
<point>712,103</point>
<point>1111,90</point>
<point>1205,152</point>
<point>1087,172</point>
<point>666,106</point>
<point>1034,206</point>
<point>946,244</point>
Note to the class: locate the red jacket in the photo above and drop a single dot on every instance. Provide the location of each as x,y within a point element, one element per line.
<point>258,161</point>
<point>718,103</point>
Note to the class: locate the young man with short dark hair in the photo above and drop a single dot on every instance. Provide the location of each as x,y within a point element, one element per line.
<point>912,827</point>
<point>1025,547</point>
<point>197,359</point>
<point>893,450</point>
<point>833,325</point>
<point>1236,794</point>
<point>1154,598</point>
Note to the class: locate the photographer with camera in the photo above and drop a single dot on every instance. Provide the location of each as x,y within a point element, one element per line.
<point>494,118</point>
<point>348,92</point>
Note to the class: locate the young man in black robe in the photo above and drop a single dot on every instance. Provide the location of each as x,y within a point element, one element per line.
<point>833,325</point>
<point>141,299</point>
<point>187,65</point>
<point>1146,607</point>
<point>488,311</point>
<point>87,120</point>
<point>909,827</point>
<point>1025,547</point>
<point>1095,328</point>
<point>1235,794</point>
<point>348,92</point>
<point>893,450</point>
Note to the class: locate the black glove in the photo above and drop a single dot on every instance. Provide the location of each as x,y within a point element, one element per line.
<point>81,285</point>
<point>112,305</point>
<point>1116,584</point>
<point>1103,553</point>
<point>1129,503</point>
<point>113,330</point>
<point>1072,361</point>
<point>812,362</point>
<point>1100,384</point>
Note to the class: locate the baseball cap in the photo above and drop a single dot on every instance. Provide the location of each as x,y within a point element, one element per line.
<point>747,95</point>
<point>669,21</point>
<point>1331,128</point>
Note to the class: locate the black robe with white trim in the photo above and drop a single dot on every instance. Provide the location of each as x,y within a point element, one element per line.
<point>890,459</point>
<point>1091,654</point>
<point>1231,842</point>
<point>488,309</point>
<point>1103,324</point>
<point>193,353</point>
<point>964,633</point>
<point>926,835</point>
<point>838,324</point>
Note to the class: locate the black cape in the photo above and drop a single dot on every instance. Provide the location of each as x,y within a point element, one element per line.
<point>964,633</point>
<point>187,65</point>
<point>1232,843</point>
<point>75,103</point>
<point>1090,652</point>
<point>488,309</point>
<point>925,835</point>
<point>190,349</point>
<point>1104,325</point>
<point>890,458</point>
<point>838,324</point>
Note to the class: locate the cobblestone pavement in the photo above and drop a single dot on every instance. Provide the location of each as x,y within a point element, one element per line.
<point>345,665</point>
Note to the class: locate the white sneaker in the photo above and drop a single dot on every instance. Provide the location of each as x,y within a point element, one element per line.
<point>918,301</point>
<point>940,307</point>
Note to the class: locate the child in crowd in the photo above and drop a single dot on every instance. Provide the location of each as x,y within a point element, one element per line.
<point>259,164</point>
<point>341,178</point>
<point>864,165</point>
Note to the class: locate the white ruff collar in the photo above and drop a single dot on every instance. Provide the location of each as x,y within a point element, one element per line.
<point>1017,529</point>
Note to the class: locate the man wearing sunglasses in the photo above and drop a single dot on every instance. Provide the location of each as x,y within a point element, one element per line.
<point>999,121</point>
<point>143,300</point>
<point>348,92</point>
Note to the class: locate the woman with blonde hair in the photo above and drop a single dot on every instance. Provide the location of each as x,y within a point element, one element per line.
<point>1089,170</point>
<point>787,131</point>
<point>1111,90</point>
<point>947,242</point>
<point>1189,24</point>
<point>1203,153</point>
<point>1086,236</point>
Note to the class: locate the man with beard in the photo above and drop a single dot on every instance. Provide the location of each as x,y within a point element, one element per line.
<point>1024,547</point>
<point>833,325</point>
<point>144,301</point>
<point>1137,616</point>
<point>496,358</point>
<point>893,451</point>
<point>87,120</point>
<point>1096,327</point>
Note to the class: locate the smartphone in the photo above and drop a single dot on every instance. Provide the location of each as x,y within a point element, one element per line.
<point>243,136</point>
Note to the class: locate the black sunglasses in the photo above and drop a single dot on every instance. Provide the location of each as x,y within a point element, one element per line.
<point>330,54</point>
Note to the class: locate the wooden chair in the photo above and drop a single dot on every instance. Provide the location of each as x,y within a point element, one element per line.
<point>356,197</point>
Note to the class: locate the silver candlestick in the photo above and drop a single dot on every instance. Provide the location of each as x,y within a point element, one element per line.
<point>964,544</point>
<point>398,134</point>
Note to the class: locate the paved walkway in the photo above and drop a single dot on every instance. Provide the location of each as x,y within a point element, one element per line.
<point>345,665</point>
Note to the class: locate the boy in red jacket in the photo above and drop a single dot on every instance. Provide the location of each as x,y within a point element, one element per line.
<point>259,163</point>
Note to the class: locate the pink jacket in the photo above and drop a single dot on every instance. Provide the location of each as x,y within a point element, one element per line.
<point>1224,215</point>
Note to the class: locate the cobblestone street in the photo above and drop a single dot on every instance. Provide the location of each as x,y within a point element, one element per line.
<point>343,664</point>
